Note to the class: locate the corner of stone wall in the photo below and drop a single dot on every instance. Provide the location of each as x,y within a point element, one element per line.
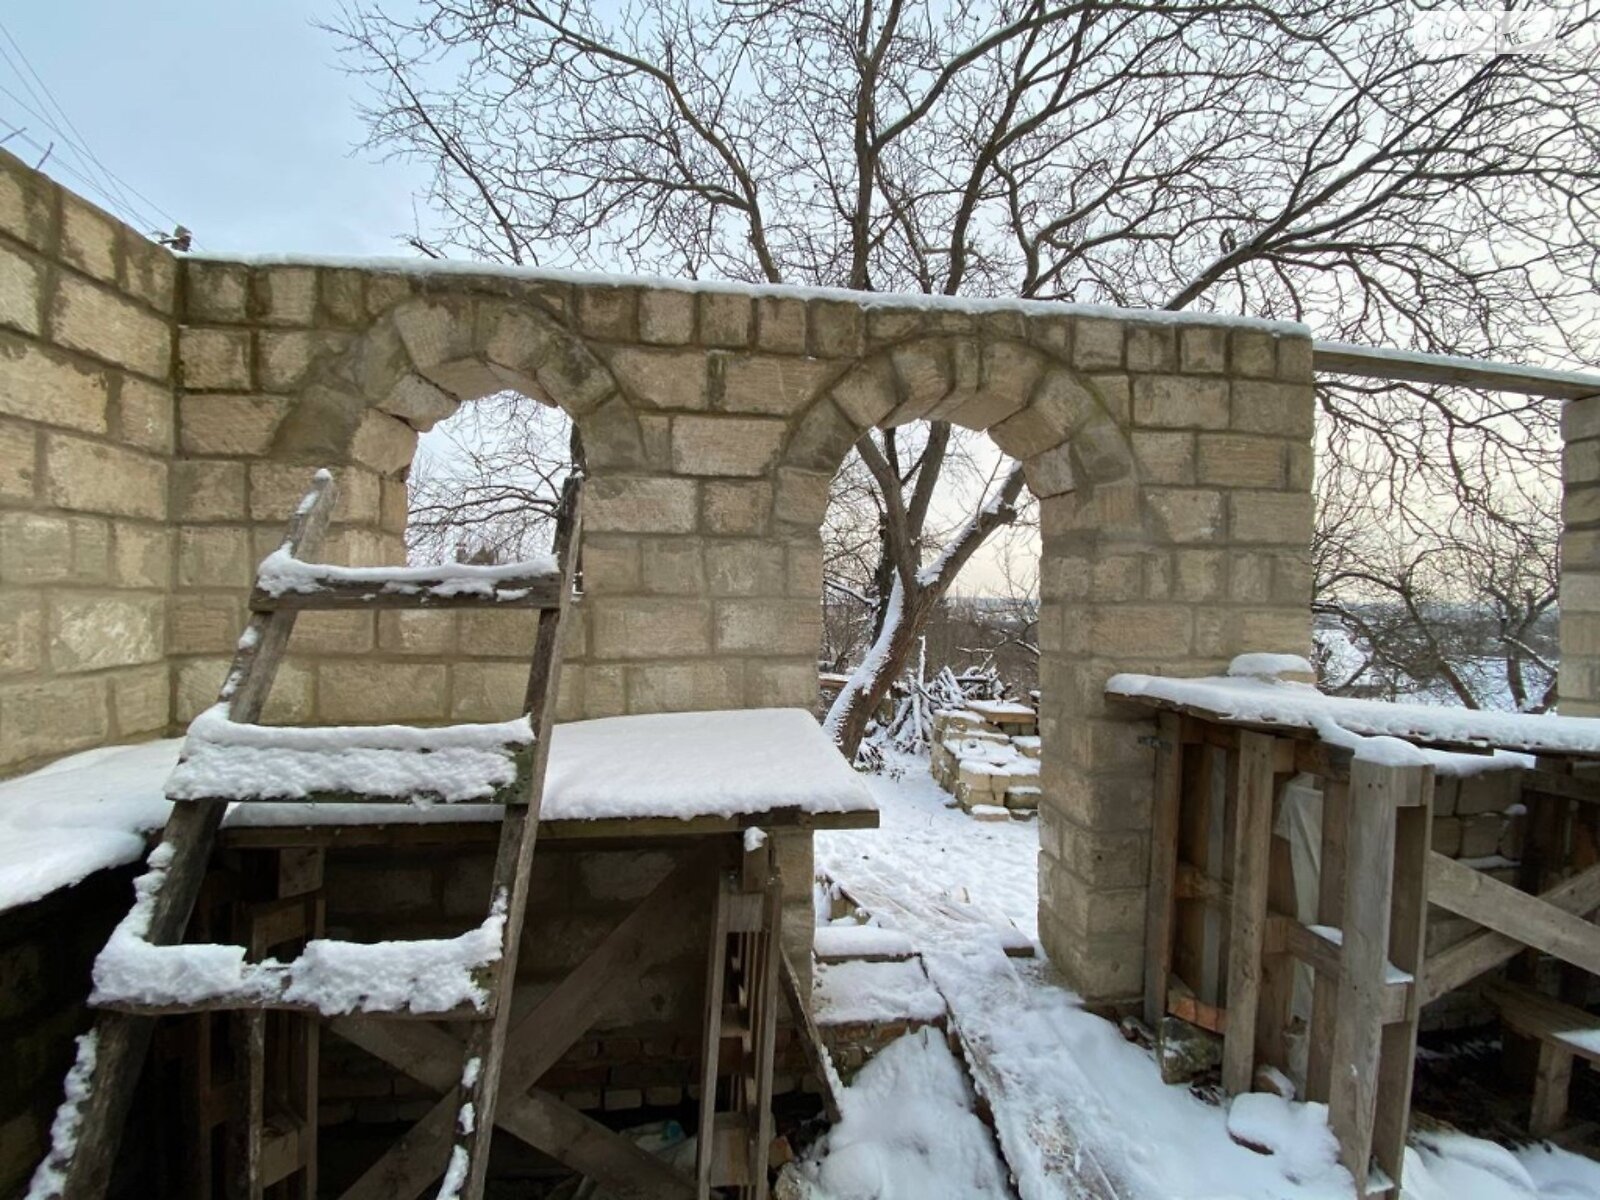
<point>87,433</point>
<point>1579,682</point>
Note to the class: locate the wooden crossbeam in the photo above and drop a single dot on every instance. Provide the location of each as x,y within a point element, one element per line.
<point>537,1040</point>
<point>1487,949</point>
<point>1528,919</point>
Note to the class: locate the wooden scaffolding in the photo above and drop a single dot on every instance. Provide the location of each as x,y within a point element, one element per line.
<point>1223,937</point>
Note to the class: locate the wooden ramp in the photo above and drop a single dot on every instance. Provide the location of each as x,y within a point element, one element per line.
<point>146,971</point>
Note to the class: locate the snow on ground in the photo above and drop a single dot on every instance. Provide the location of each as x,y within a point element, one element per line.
<point>1076,1106</point>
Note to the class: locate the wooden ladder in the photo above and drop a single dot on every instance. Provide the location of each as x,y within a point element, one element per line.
<point>101,1084</point>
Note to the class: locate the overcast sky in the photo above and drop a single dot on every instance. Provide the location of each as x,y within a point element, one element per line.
<point>229,116</point>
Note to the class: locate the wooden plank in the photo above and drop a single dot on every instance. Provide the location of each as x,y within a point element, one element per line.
<point>1544,1017</point>
<point>541,590</point>
<point>1516,914</point>
<point>539,1037</point>
<point>711,1036</point>
<point>810,1038</point>
<point>1546,782</point>
<point>1161,906</point>
<point>1330,912</point>
<point>1483,951</point>
<point>123,1039</point>
<point>764,980</point>
<point>1344,358</point>
<point>1552,1089</point>
<point>1248,913</point>
<point>1325,958</point>
<point>1358,1021</point>
<point>1408,932</point>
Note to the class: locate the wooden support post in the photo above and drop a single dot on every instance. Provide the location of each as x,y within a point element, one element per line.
<point>1375,795</point>
<point>1552,1084</point>
<point>1408,930</point>
<point>716,973</point>
<point>1252,857</point>
<point>1330,912</point>
<point>1161,905</point>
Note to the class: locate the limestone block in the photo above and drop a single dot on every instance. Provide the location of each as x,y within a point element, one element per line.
<point>285,358</point>
<point>276,490</point>
<point>21,284</point>
<point>750,567</point>
<point>322,633</point>
<point>1447,836</point>
<point>215,556</point>
<point>1294,358</point>
<point>359,690</point>
<point>1202,351</point>
<point>233,426</point>
<point>837,329</point>
<point>204,622</point>
<point>43,386</point>
<point>802,496</point>
<point>781,324</point>
<point>768,626</point>
<point>1164,456</point>
<point>1490,792</point>
<point>804,569</point>
<point>420,632</point>
<point>1199,575</point>
<point>1480,835</point>
<point>822,439</point>
<point>665,379</point>
<point>27,205</point>
<point>1187,515</point>
<point>1140,631</point>
<point>208,490</point>
<point>611,564</point>
<point>21,631</point>
<point>140,700</point>
<point>384,443</point>
<point>1254,353</point>
<point>607,312</point>
<point>648,628</point>
<point>778,385</point>
<point>214,358</point>
<point>88,238</point>
<point>18,460</point>
<point>735,507</point>
<point>1180,402</point>
<point>1097,343</point>
<point>1051,473</point>
<point>145,415</point>
<point>737,446</point>
<point>1281,409</point>
<point>613,436</point>
<point>52,717</point>
<point>776,684</point>
<point>724,318</point>
<point>217,291</point>
<point>499,633</point>
<point>640,505</point>
<point>1234,461</point>
<point>286,295</point>
<point>150,272</point>
<point>1281,517</point>
<point>672,567</point>
<point>487,691</point>
<point>685,686</point>
<point>666,318</point>
<point>1152,348</point>
<point>867,392</point>
<point>95,477</point>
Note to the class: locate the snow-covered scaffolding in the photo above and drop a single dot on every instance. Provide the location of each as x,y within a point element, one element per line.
<point>1291,828</point>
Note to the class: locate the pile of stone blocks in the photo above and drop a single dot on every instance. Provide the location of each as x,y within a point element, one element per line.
<point>987,756</point>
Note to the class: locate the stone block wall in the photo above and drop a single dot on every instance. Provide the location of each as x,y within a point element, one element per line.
<point>1579,682</point>
<point>87,325</point>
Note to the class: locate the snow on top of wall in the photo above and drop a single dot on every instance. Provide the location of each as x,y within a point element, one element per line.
<point>448,268</point>
<point>93,810</point>
<point>1346,719</point>
<point>282,572</point>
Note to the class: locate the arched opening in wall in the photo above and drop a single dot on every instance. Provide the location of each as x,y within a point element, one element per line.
<point>950,738</point>
<point>486,481</point>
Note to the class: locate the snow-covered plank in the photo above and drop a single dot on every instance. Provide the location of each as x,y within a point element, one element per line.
<point>284,582</point>
<point>1297,706</point>
<point>1415,366</point>
<point>236,761</point>
<point>849,940</point>
<point>854,993</point>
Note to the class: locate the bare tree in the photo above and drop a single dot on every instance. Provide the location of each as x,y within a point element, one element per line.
<point>1308,159</point>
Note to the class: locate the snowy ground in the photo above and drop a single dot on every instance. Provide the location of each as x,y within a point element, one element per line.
<point>1079,1111</point>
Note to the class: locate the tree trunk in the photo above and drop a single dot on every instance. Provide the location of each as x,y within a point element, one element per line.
<point>883,663</point>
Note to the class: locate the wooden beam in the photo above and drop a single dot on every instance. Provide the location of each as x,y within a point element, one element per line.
<point>1160,910</point>
<point>1516,914</point>
<point>1343,358</point>
<point>1330,912</point>
<point>1487,949</point>
<point>1252,850</point>
<point>711,1036</point>
<point>810,1039</point>
<point>1584,788</point>
<point>1358,1022</point>
<point>541,590</point>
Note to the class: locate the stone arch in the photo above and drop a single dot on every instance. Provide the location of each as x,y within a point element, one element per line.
<point>422,358</point>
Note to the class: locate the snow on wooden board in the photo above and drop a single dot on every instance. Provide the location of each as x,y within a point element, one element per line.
<point>281,572</point>
<point>1301,706</point>
<point>858,991</point>
<point>848,939</point>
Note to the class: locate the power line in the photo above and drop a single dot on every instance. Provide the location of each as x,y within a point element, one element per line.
<point>110,187</point>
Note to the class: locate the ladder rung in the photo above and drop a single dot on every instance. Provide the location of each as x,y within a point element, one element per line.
<point>285,582</point>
